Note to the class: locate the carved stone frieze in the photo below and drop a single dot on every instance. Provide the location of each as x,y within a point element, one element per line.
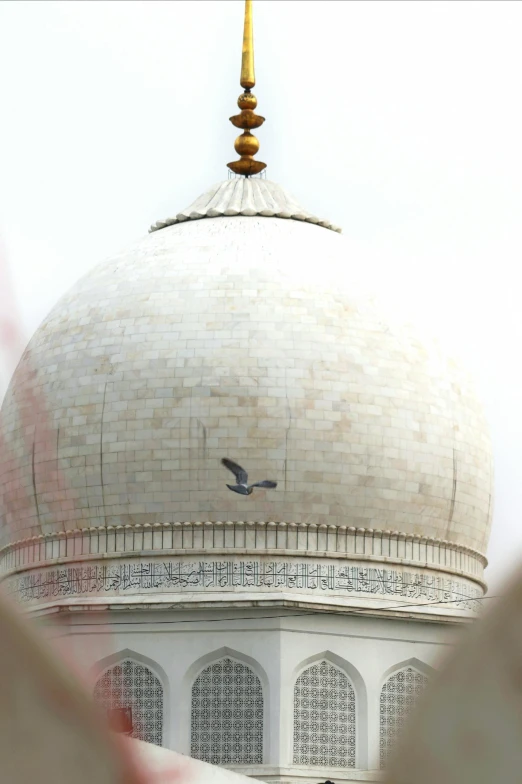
<point>146,577</point>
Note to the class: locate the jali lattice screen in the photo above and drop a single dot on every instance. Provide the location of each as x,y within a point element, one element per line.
<point>398,697</point>
<point>132,685</point>
<point>227,715</point>
<point>324,717</point>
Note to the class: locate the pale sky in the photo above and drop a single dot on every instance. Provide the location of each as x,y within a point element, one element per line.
<point>399,121</point>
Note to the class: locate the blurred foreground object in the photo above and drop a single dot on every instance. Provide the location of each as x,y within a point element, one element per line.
<point>166,767</point>
<point>120,720</point>
<point>468,729</point>
<point>50,732</point>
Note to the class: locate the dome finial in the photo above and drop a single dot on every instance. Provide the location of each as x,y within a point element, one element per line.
<point>248,77</point>
<point>247,145</point>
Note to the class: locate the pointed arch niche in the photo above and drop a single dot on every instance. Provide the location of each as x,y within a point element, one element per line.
<point>227,711</point>
<point>129,680</point>
<point>329,714</point>
<point>403,684</point>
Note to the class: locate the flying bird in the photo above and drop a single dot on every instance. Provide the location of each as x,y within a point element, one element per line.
<point>242,487</point>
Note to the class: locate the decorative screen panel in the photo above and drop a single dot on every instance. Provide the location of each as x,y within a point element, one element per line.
<point>132,685</point>
<point>398,698</point>
<point>227,715</point>
<point>324,718</point>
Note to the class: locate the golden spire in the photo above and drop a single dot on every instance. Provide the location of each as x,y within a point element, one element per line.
<point>247,145</point>
<point>248,77</point>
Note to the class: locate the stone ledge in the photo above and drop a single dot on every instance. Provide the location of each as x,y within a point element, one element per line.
<point>246,537</point>
<point>209,603</point>
<point>296,774</point>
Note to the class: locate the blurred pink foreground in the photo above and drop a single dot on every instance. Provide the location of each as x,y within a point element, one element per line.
<point>50,729</point>
<point>161,765</point>
<point>52,732</point>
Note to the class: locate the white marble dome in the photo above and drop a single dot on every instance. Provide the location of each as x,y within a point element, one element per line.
<point>239,336</point>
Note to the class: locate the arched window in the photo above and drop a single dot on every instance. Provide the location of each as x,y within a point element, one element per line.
<point>129,684</point>
<point>227,715</point>
<point>324,717</point>
<point>398,697</point>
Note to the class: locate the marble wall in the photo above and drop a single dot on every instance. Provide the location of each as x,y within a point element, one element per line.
<point>278,645</point>
<point>238,337</point>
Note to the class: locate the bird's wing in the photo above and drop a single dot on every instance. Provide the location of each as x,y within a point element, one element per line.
<point>240,473</point>
<point>265,483</point>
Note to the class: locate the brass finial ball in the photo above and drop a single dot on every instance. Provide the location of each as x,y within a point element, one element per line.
<point>246,144</point>
<point>247,101</point>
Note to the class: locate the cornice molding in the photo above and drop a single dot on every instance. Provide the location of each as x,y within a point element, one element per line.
<point>245,537</point>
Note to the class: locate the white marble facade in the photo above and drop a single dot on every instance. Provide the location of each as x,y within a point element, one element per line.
<point>286,633</point>
<point>238,336</point>
<point>277,646</point>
